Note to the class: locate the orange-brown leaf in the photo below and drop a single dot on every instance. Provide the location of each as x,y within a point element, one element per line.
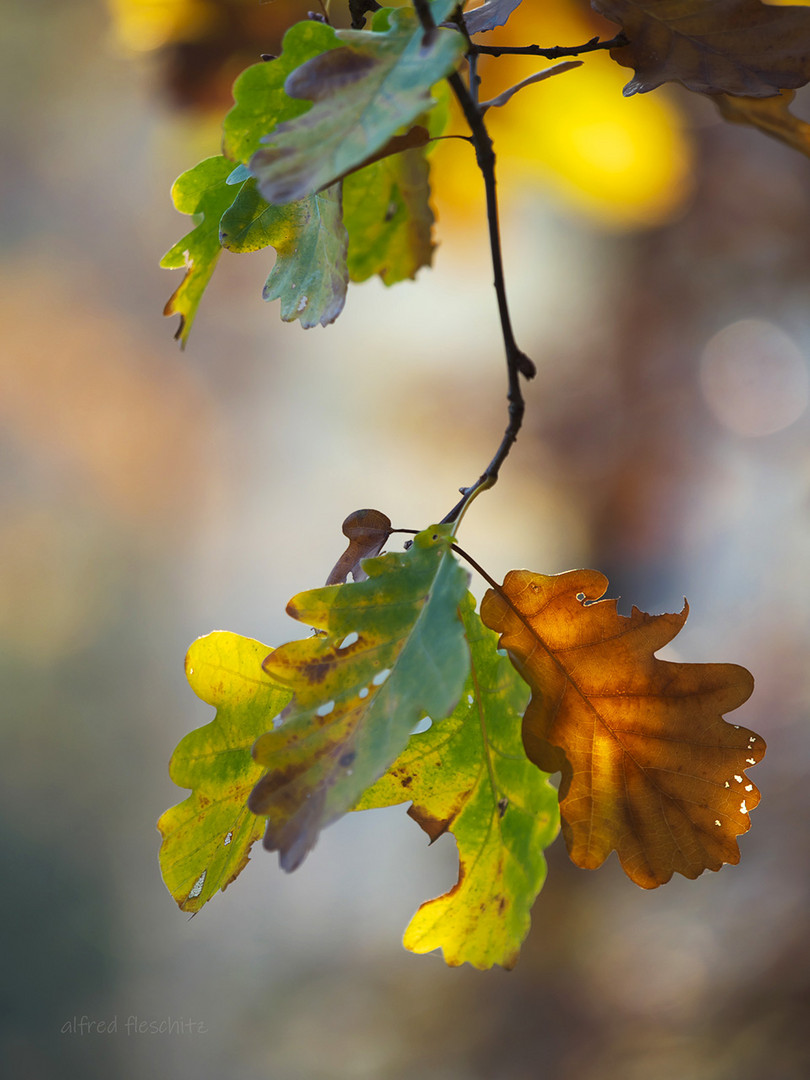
<point>649,767</point>
<point>722,46</point>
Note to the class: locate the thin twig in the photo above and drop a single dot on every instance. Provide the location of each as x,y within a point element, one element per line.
<point>551,54</point>
<point>539,76</point>
<point>517,363</point>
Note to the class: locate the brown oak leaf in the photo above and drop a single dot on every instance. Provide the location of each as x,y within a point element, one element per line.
<point>725,46</point>
<point>366,531</point>
<point>649,767</point>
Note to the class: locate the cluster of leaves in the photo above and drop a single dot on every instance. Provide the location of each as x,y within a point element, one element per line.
<point>342,191</point>
<point>329,723</point>
<point>325,154</point>
<point>326,159</point>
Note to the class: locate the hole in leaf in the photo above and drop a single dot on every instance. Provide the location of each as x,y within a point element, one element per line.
<point>381,676</point>
<point>326,708</point>
<point>349,640</point>
<point>197,887</point>
<point>423,725</point>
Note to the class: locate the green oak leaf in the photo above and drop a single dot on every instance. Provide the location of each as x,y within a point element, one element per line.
<point>469,775</point>
<point>386,207</point>
<point>207,838</point>
<point>363,92</point>
<point>310,275</point>
<point>260,101</point>
<point>390,650</point>
<point>389,219</point>
<point>201,191</point>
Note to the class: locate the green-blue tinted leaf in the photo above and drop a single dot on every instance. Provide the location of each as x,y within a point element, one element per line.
<point>260,101</point>
<point>392,649</point>
<point>363,92</point>
<point>310,275</point>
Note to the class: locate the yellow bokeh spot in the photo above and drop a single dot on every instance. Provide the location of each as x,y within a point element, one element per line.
<point>143,25</point>
<point>624,162</point>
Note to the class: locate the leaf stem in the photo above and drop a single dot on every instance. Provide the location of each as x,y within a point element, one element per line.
<point>477,567</point>
<point>551,54</point>
<point>517,363</point>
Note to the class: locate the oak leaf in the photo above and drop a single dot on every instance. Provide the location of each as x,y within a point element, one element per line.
<point>390,650</point>
<point>366,531</point>
<point>260,100</point>
<point>208,837</point>
<point>725,46</point>
<point>771,115</point>
<point>364,92</point>
<point>469,775</point>
<point>203,193</point>
<point>389,218</point>
<point>649,767</point>
<point>310,276</point>
<point>386,203</point>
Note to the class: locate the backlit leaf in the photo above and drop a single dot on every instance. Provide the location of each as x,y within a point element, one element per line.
<point>310,276</point>
<point>363,92</point>
<point>201,191</point>
<point>725,46</point>
<point>389,219</point>
<point>207,838</point>
<point>391,649</point>
<point>771,115</point>
<point>386,206</point>
<point>470,776</point>
<point>649,767</point>
<point>260,101</point>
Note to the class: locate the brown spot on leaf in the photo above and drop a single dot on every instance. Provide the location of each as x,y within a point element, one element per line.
<point>435,826</point>
<point>327,74</point>
<point>316,672</point>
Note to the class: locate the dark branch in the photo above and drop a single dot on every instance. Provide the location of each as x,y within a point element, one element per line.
<point>517,363</point>
<point>551,54</point>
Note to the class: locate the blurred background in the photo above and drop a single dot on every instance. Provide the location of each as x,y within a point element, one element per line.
<point>659,269</point>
